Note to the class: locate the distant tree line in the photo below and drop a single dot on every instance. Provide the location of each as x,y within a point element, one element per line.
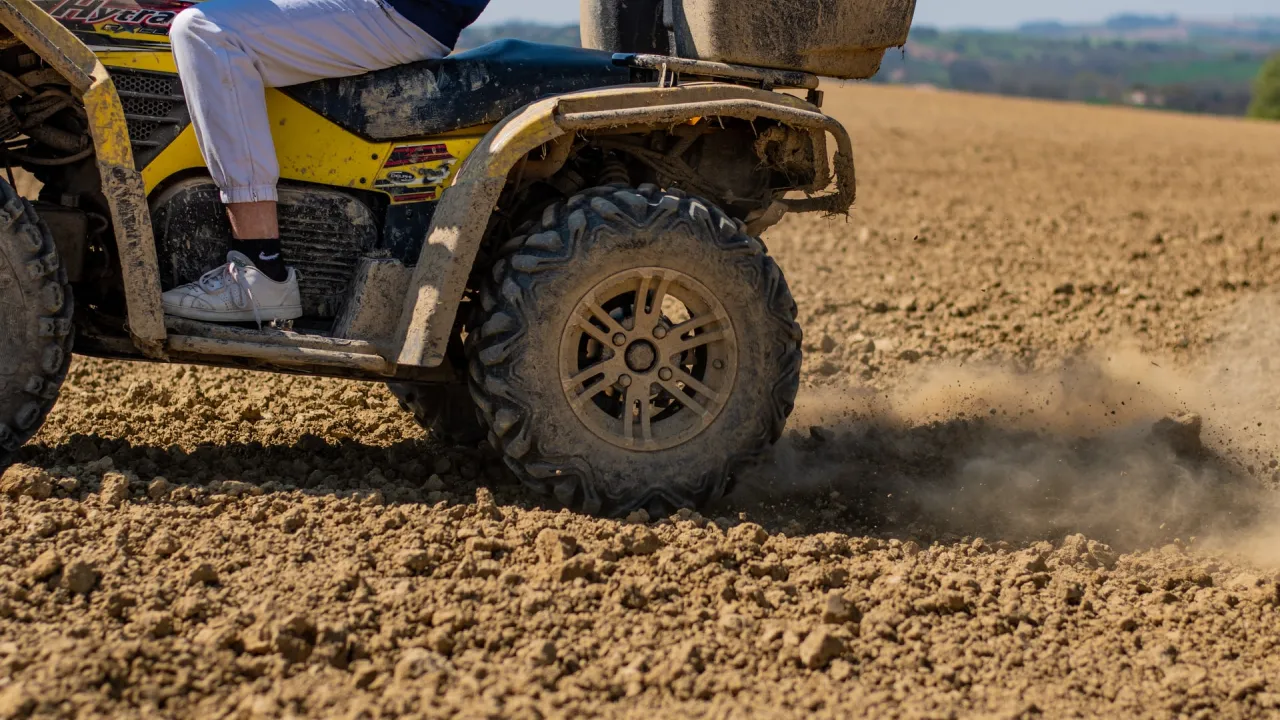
<point>478,35</point>
<point>1266,91</point>
<point>1202,78</point>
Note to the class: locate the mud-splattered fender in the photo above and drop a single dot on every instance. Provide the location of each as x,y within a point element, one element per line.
<point>121,182</point>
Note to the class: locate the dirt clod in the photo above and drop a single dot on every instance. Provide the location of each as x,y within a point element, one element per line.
<point>1071,593</point>
<point>416,662</point>
<point>156,624</point>
<point>1247,687</point>
<point>24,480</point>
<point>79,577</point>
<point>163,544</point>
<point>45,566</point>
<point>542,653</point>
<point>118,604</point>
<point>159,489</point>
<point>236,488</point>
<point>202,573</point>
<point>838,611</point>
<point>748,533</point>
<point>578,567</point>
<point>555,546</point>
<point>115,489</point>
<point>16,701</point>
<point>292,520</point>
<point>415,560</point>
<point>638,540</point>
<point>819,648</point>
<point>1181,433</point>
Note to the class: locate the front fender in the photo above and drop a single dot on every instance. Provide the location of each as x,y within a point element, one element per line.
<point>121,182</point>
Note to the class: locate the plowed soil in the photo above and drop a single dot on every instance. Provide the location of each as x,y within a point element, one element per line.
<point>980,510</point>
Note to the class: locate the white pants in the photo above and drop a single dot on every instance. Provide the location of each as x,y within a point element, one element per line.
<point>229,51</point>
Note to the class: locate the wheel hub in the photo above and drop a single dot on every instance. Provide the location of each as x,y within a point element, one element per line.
<point>641,356</point>
<point>648,358</point>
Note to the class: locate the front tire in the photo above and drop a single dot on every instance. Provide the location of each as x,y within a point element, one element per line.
<point>634,351</point>
<point>35,323</point>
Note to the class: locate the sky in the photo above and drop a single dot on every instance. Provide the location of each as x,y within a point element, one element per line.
<point>956,13</point>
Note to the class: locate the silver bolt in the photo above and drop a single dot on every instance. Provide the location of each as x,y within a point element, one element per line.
<point>619,339</point>
<point>665,373</point>
<point>625,381</point>
<point>717,364</point>
<point>659,332</point>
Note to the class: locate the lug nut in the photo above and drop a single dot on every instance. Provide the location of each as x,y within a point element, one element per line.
<point>718,364</point>
<point>625,381</point>
<point>665,373</point>
<point>619,339</point>
<point>659,332</point>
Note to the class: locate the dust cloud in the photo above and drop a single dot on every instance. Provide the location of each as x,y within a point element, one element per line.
<point>1128,448</point>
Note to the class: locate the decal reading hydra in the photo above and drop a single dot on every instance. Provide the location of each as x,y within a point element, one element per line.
<point>116,16</point>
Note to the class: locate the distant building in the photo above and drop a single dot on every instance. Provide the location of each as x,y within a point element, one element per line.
<point>1144,98</point>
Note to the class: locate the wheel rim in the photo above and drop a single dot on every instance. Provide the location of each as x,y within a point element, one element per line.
<point>648,358</point>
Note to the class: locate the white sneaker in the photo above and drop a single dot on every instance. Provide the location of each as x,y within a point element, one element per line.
<point>236,292</point>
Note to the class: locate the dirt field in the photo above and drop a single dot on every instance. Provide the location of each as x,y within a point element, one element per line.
<point>979,512</point>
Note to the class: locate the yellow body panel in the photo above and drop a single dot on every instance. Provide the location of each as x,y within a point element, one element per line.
<point>312,149</point>
<point>159,60</point>
<point>309,148</point>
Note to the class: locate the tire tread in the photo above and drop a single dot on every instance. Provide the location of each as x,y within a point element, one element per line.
<point>512,296</point>
<point>32,247</point>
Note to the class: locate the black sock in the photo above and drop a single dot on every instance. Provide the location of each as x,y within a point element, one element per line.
<point>266,256</point>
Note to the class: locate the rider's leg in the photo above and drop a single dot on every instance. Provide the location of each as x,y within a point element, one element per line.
<point>229,51</point>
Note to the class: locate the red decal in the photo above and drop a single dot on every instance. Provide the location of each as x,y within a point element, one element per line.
<point>415,154</point>
<point>410,197</point>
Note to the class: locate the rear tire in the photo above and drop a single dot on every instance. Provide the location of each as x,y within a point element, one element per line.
<point>35,323</point>
<point>446,411</point>
<point>634,351</point>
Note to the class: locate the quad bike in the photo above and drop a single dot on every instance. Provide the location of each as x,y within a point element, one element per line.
<point>552,247</point>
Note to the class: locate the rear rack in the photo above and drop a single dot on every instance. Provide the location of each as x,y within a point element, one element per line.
<point>669,70</point>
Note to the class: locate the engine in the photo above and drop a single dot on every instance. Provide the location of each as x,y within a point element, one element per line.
<point>324,234</point>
